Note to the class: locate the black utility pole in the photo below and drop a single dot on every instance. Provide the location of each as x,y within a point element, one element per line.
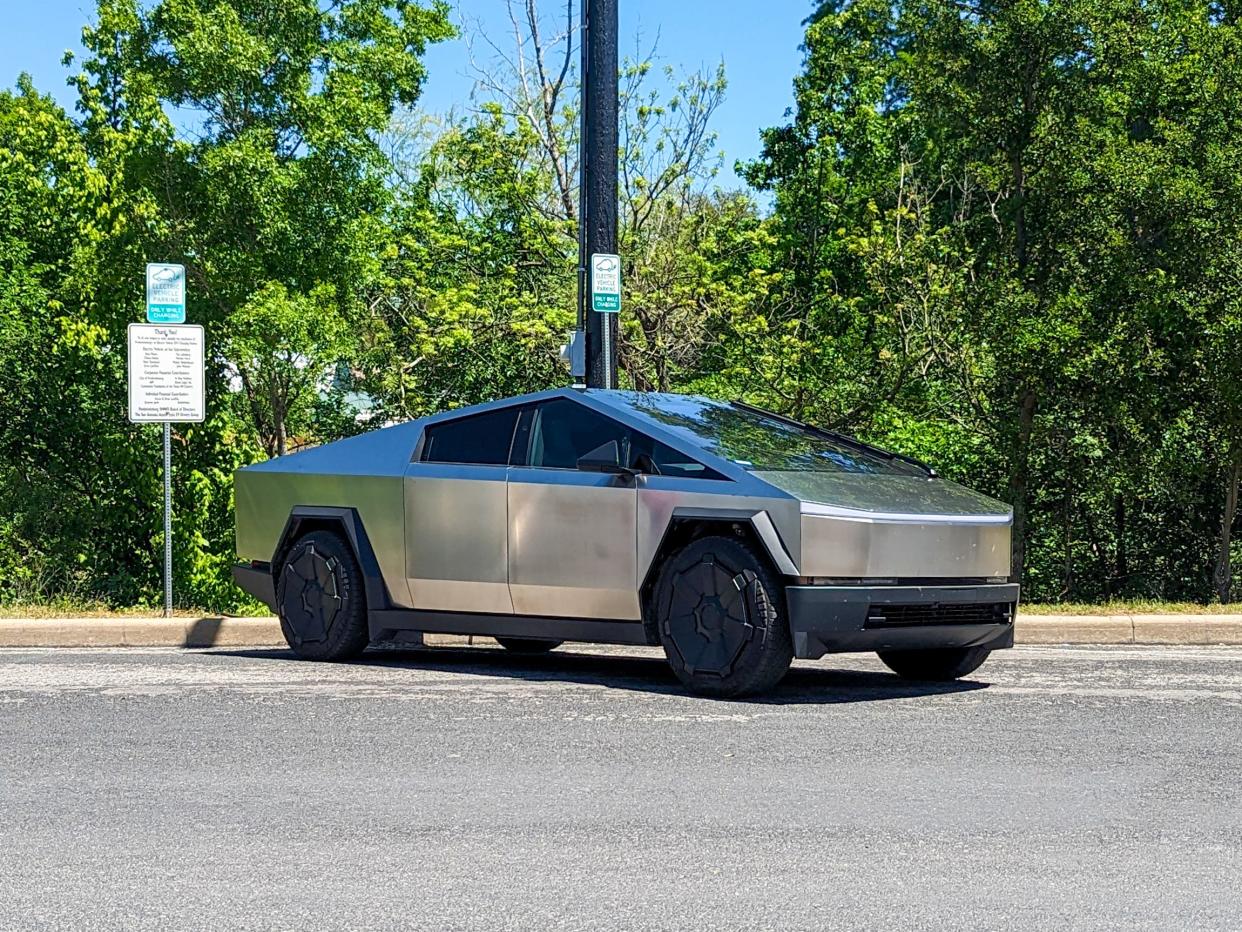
<point>598,196</point>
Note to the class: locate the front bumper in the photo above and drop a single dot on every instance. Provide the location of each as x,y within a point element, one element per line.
<point>838,619</point>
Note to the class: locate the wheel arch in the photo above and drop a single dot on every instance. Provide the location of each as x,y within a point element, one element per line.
<point>684,527</point>
<point>304,519</point>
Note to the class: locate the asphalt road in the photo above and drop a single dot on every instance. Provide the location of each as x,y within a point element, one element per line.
<point>470,789</point>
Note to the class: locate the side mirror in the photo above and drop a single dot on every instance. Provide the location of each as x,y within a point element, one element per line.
<point>606,458</point>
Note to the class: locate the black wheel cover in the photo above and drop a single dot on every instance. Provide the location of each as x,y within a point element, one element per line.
<point>312,599</point>
<point>709,620</point>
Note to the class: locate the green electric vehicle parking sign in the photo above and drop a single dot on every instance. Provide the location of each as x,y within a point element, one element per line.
<point>165,293</point>
<point>605,283</point>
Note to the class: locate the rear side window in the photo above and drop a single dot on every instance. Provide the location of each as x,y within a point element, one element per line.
<point>480,440</point>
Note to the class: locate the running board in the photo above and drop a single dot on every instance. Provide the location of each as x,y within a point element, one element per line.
<point>385,624</point>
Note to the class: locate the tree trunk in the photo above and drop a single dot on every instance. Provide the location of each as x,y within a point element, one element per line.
<point>1223,574</point>
<point>261,426</point>
<point>278,426</point>
<point>1019,215</point>
<point>1018,479</point>
<point>1103,571</point>
<point>1121,568</point>
<point>1067,543</point>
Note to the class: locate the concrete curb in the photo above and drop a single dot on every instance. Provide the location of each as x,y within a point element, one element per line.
<point>209,631</point>
<point>218,631</point>
<point>1129,629</point>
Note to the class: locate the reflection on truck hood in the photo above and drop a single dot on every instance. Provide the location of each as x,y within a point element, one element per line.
<point>892,495</point>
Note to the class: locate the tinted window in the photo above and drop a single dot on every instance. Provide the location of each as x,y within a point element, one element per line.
<point>482,439</point>
<point>564,431</point>
<point>659,459</point>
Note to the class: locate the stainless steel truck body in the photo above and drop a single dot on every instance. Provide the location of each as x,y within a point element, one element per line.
<point>729,535</point>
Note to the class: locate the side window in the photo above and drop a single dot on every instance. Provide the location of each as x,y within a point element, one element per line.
<point>564,431</point>
<point>659,459</point>
<point>481,439</point>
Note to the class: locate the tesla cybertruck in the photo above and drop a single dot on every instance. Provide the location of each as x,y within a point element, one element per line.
<point>734,538</point>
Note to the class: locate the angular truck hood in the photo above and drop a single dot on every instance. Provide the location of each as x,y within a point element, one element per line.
<point>887,497</point>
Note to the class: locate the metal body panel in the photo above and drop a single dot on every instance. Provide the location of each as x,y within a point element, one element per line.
<point>662,499</point>
<point>572,544</point>
<point>364,473</point>
<point>384,452</point>
<point>456,548</point>
<point>856,548</point>
<point>265,499</point>
<point>843,524</point>
<point>888,497</point>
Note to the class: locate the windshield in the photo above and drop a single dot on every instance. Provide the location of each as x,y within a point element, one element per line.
<point>754,440</point>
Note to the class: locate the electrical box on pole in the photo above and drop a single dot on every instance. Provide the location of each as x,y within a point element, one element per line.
<point>597,236</point>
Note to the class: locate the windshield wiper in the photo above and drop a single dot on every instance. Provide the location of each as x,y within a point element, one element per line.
<point>844,439</point>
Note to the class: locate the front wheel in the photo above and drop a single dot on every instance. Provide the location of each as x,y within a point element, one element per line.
<point>939,664</point>
<point>719,611</point>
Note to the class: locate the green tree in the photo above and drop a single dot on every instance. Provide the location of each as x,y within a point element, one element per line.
<point>273,193</point>
<point>495,193</point>
<point>285,350</point>
<point>995,223</point>
<point>74,474</point>
<point>284,185</point>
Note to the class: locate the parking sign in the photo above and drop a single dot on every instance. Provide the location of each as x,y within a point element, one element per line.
<point>605,283</point>
<point>165,293</point>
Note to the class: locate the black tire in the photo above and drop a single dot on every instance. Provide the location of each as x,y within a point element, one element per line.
<point>936,665</point>
<point>719,613</point>
<point>528,645</point>
<point>321,600</point>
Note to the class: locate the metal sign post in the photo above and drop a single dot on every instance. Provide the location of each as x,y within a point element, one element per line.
<point>167,520</point>
<point>598,197</point>
<point>166,384</point>
<point>166,305</point>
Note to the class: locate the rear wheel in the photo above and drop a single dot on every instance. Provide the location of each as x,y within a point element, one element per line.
<point>939,664</point>
<point>528,645</point>
<point>719,613</point>
<point>320,598</point>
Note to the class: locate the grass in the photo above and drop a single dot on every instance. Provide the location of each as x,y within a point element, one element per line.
<point>92,611</point>
<point>37,592</point>
<point>75,608</point>
<point>1129,607</point>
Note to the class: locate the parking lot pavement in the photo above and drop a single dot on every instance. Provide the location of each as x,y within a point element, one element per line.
<point>471,789</point>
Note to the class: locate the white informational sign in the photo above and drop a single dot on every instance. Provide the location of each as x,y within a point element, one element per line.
<point>165,293</point>
<point>166,373</point>
<point>605,283</point>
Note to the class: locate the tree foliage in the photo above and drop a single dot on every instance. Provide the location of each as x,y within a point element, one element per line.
<point>1004,226</point>
<point>273,195</point>
<point>1005,237</point>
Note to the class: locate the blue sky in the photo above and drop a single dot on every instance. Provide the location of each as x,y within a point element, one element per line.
<point>757,39</point>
